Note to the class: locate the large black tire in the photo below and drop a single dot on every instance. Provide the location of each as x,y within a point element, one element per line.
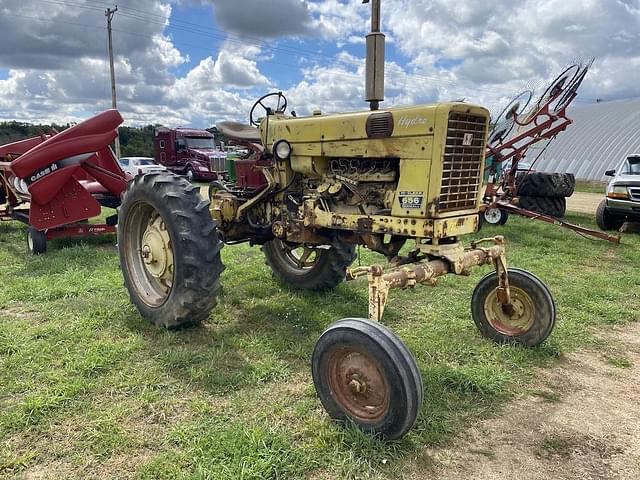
<point>534,309</point>
<point>186,293</point>
<point>605,220</point>
<point>326,271</point>
<point>539,184</point>
<point>554,206</point>
<point>36,241</point>
<point>365,374</point>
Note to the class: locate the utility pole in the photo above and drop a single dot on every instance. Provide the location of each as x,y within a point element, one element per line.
<point>109,13</point>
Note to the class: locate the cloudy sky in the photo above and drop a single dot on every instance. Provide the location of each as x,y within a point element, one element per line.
<point>194,62</point>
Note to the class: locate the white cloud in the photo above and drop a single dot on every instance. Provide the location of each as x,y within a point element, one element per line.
<point>441,50</point>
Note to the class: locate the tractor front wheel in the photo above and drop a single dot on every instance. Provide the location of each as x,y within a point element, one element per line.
<point>531,318</point>
<point>364,374</point>
<point>169,250</point>
<point>309,267</point>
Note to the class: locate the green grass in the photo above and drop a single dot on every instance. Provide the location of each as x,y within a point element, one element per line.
<point>586,186</point>
<point>89,389</point>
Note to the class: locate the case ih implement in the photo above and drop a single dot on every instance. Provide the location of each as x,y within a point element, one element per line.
<point>521,125</point>
<point>56,182</point>
<point>314,188</point>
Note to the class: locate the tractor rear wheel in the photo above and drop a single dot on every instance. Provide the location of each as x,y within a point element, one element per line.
<point>532,318</point>
<point>309,267</point>
<point>365,374</point>
<point>169,250</point>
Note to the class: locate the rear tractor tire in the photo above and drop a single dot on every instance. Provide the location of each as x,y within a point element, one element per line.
<point>534,311</point>
<point>309,268</point>
<point>169,250</point>
<point>364,374</point>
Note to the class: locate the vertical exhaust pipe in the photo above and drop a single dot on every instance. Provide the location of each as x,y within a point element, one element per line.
<point>374,84</point>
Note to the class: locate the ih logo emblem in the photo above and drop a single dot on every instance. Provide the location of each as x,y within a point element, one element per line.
<point>467,140</point>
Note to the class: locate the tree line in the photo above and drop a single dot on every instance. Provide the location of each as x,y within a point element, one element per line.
<point>134,141</point>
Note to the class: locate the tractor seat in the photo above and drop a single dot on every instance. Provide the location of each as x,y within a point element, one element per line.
<point>239,131</point>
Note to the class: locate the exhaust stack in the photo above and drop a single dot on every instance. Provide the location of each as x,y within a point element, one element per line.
<point>374,85</point>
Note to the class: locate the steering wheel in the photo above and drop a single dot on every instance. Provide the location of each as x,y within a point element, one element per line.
<point>280,107</point>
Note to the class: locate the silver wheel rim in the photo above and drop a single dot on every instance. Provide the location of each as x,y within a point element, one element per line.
<point>493,215</point>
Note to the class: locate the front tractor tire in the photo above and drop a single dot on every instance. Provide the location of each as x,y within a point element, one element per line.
<point>532,318</point>
<point>309,268</point>
<point>364,374</point>
<point>169,250</point>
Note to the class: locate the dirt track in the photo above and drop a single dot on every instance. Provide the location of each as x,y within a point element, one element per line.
<point>584,202</point>
<point>582,423</point>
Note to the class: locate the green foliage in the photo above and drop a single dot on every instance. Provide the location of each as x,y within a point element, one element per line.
<point>134,141</point>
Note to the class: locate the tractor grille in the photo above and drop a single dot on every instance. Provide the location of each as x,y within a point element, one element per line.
<point>462,162</point>
<point>217,164</point>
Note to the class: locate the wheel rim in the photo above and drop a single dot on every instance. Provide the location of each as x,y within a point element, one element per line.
<point>149,254</point>
<point>521,318</point>
<point>30,241</point>
<point>358,385</point>
<point>493,215</point>
<point>190,175</point>
<point>300,257</point>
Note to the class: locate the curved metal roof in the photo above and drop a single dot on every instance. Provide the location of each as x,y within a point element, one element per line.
<point>601,137</point>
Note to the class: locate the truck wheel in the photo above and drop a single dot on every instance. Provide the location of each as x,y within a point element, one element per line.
<point>534,311</point>
<point>169,250</point>
<point>554,206</point>
<point>309,268</point>
<point>495,216</point>
<point>190,174</point>
<point>363,373</point>
<point>540,184</point>
<point>605,220</point>
<point>36,241</point>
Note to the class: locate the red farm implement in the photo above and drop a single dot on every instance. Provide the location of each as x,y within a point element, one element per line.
<point>55,183</point>
<point>522,124</point>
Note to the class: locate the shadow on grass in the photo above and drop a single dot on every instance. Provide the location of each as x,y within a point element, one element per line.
<point>245,347</point>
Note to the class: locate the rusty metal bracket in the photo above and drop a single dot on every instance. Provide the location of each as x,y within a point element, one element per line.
<point>380,282</point>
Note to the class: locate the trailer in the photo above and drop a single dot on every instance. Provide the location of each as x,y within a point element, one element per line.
<point>55,183</point>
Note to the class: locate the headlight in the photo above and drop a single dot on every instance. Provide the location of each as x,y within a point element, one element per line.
<point>282,149</point>
<point>618,191</point>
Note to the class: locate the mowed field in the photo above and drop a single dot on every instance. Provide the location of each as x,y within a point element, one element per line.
<point>88,389</point>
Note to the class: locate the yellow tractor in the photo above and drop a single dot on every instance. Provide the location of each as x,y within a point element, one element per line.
<point>309,191</point>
